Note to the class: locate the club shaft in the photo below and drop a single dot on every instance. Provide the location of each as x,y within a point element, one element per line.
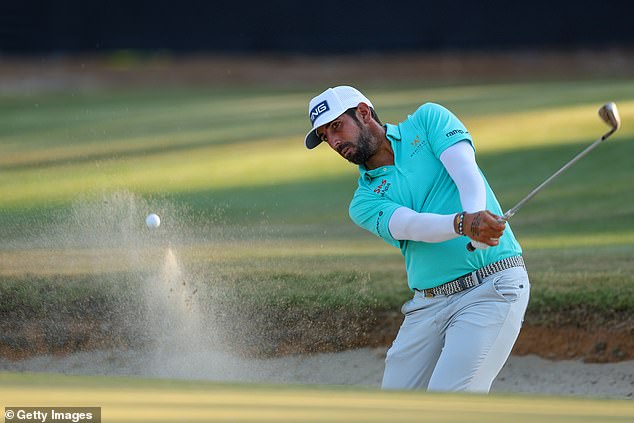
<point>534,192</point>
<point>541,186</point>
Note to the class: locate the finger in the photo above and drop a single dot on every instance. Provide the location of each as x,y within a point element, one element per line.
<point>491,238</point>
<point>492,242</point>
<point>492,231</point>
<point>496,232</point>
<point>493,215</point>
<point>498,224</point>
<point>498,218</point>
<point>494,218</point>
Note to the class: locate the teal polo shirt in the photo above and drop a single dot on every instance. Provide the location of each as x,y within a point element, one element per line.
<point>418,180</point>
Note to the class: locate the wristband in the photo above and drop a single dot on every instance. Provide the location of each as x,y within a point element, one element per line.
<point>461,223</point>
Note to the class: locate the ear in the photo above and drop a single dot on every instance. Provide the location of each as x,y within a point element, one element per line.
<point>364,113</point>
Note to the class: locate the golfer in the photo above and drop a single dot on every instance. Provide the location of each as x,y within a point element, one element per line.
<point>421,191</point>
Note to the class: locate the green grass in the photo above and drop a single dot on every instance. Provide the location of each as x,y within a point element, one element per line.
<point>253,208</point>
<point>129,399</point>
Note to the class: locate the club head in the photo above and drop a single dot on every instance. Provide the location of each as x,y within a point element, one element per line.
<point>610,115</point>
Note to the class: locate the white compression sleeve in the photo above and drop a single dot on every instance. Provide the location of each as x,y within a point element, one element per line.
<point>459,160</point>
<point>407,224</point>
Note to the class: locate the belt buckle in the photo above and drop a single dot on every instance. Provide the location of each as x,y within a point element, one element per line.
<point>467,281</point>
<point>463,283</point>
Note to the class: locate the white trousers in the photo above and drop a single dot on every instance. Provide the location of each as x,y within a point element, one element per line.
<point>458,342</point>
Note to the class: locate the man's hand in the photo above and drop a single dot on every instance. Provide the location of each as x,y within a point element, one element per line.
<point>483,226</point>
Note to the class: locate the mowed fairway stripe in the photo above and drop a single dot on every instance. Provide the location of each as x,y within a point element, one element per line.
<point>124,399</point>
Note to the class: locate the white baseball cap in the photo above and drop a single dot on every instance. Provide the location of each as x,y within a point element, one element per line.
<point>328,106</point>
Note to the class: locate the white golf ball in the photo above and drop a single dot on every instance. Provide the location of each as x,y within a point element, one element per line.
<point>153,221</point>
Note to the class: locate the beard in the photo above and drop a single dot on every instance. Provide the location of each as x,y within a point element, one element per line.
<point>363,149</point>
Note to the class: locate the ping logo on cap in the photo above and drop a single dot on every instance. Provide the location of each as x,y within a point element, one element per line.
<point>318,110</point>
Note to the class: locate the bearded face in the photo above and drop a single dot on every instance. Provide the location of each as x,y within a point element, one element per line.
<point>360,150</point>
<point>350,138</point>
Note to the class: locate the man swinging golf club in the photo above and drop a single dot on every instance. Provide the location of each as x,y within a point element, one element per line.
<point>421,191</point>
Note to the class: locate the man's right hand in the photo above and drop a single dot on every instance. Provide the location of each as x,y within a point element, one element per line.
<point>484,226</point>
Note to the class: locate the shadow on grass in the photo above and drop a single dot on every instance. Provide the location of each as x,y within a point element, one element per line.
<point>594,196</point>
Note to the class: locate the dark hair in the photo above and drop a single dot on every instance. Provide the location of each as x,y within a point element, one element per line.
<point>351,112</point>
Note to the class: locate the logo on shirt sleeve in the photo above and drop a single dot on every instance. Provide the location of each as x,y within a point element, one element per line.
<point>378,224</point>
<point>456,132</point>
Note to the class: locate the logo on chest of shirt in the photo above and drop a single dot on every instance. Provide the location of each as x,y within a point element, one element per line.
<point>418,145</point>
<point>383,187</point>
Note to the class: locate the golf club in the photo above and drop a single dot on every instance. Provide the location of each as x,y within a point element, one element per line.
<point>610,115</point>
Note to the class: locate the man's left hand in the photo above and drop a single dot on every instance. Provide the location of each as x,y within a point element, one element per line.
<point>484,227</point>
